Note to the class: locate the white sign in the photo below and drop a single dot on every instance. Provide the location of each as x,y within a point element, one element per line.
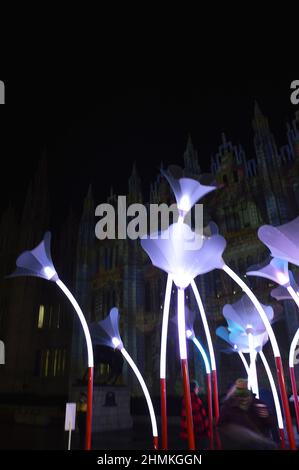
<point>70,417</point>
<point>2,353</point>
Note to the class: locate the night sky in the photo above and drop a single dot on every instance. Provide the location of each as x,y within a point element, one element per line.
<point>93,134</point>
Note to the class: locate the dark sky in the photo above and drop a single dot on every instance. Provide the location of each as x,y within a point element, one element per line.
<point>95,133</point>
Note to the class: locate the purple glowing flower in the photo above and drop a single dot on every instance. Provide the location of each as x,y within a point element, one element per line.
<point>37,262</point>
<point>244,313</point>
<point>237,338</point>
<point>187,191</point>
<point>281,293</point>
<point>106,331</point>
<point>241,340</point>
<point>276,271</point>
<point>182,253</point>
<point>283,241</point>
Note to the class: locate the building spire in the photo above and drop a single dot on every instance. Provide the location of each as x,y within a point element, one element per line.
<point>135,185</point>
<point>88,201</point>
<point>260,122</point>
<point>191,159</point>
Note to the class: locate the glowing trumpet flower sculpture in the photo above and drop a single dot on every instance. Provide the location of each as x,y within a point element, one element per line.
<point>277,271</point>
<point>244,314</point>
<point>183,254</point>
<point>107,332</point>
<point>187,191</point>
<point>38,263</point>
<point>223,332</point>
<point>238,339</point>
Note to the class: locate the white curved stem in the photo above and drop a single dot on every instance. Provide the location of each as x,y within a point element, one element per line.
<point>273,388</point>
<point>293,349</point>
<point>242,357</point>
<point>205,324</point>
<point>82,319</point>
<point>203,354</point>
<point>253,374</point>
<point>165,327</point>
<point>145,390</point>
<point>181,323</point>
<point>257,305</point>
<point>296,336</point>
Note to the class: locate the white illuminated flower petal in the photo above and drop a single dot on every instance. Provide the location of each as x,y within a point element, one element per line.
<point>106,331</point>
<point>182,253</point>
<point>187,191</point>
<point>243,312</point>
<point>276,271</point>
<point>283,241</point>
<point>37,262</point>
<point>281,293</point>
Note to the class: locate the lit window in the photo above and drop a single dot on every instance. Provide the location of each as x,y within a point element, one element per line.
<point>55,362</point>
<point>41,316</point>
<point>46,363</point>
<point>63,361</point>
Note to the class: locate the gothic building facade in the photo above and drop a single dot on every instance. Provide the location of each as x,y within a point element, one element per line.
<point>252,191</point>
<point>45,350</point>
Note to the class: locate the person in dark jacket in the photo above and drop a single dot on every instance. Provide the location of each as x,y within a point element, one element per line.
<point>245,422</point>
<point>200,418</point>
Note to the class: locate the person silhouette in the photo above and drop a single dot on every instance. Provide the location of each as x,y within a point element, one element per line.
<point>200,418</point>
<point>245,422</point>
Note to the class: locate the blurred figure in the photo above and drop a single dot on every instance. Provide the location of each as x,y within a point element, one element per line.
<point>245,422</point>
<point>266,396</point>
<point>82,410</point>
<point>200,418</point>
